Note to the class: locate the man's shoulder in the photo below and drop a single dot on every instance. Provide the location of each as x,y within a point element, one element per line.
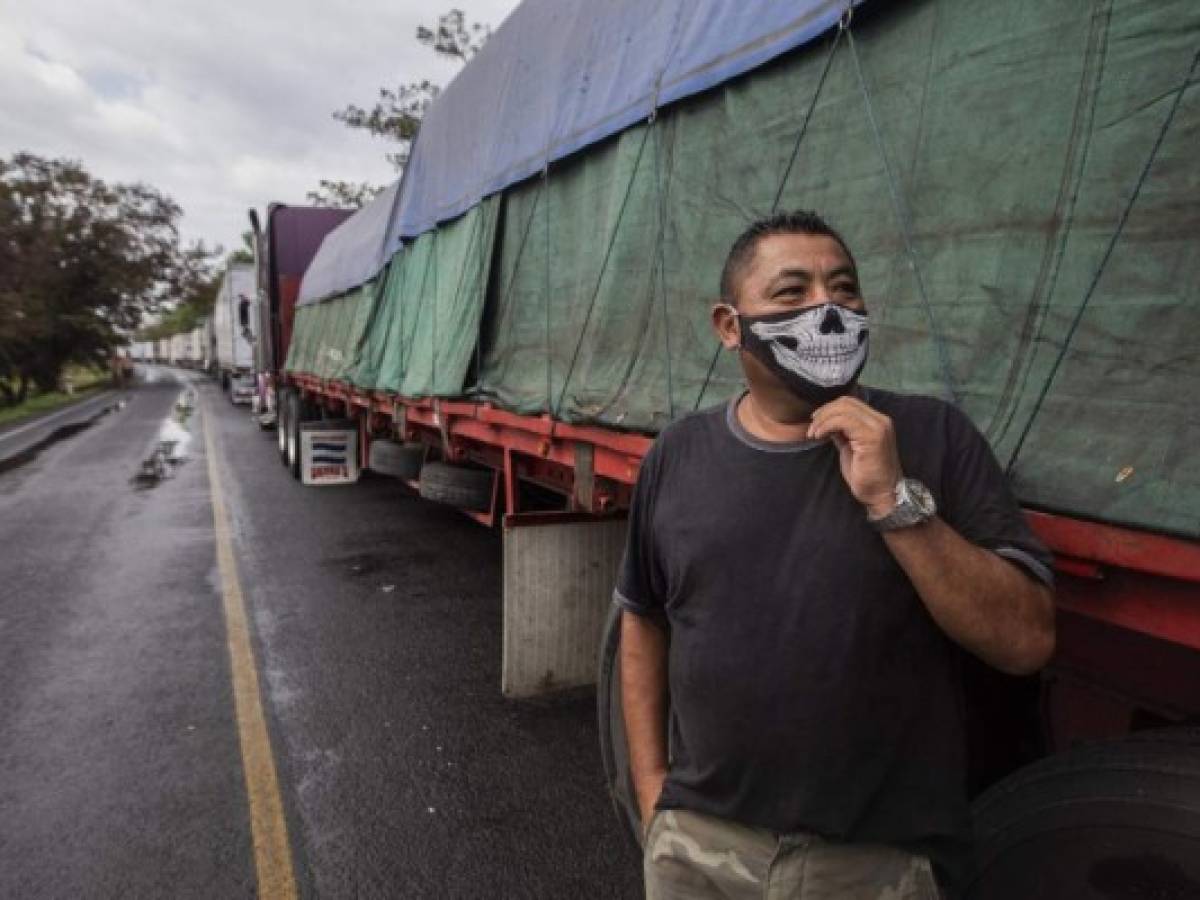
<point>689,428</point>
<point>898,403</point>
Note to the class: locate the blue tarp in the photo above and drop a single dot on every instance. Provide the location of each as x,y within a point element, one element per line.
<point>352,254</point>
<point>557,76</point>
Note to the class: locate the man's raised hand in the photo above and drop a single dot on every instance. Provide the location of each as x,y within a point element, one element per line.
<point>866,444</point>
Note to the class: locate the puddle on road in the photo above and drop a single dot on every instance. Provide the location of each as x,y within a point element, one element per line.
<point>172,447</point>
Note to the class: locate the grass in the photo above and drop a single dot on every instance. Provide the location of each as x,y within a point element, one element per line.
<point>86,381</point>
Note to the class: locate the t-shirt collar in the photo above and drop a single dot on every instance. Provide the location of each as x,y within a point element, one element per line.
<point>757,443</point>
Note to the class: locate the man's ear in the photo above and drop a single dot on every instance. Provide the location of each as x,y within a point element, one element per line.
<point>726,325</point>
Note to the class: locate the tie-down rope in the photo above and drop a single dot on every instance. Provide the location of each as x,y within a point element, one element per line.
<point>1108,252</point>
<point>843,26</point>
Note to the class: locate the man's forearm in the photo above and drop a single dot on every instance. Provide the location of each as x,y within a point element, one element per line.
<point>644,702</point>
<point>981,600</point>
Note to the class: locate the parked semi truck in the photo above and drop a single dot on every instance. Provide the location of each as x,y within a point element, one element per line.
<point>507,328</point>
<point>187,348</point>
<point>284,247</point>
<point>235,314</point>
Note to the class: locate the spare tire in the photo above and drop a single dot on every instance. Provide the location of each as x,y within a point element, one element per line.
<point>1108,820</point>
<point>457,486</point>
<point>398,460</point>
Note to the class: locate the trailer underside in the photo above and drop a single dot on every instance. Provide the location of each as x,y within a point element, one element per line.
<point>1134,583</point>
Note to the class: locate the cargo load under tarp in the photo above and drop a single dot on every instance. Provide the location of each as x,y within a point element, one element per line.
<point>1018,183</point>
<point>352,253</point>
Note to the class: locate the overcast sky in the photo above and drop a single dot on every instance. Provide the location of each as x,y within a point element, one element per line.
<point>222,106</point>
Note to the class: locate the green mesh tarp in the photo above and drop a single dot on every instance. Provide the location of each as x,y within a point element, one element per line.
<point>1018,183</point>
<point>980,168</point>
<point>425,329</point>
<point>327,335</point>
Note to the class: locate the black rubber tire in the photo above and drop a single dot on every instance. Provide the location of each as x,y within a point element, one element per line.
<point>1108,820</point>
<point>458,486</point>
<point>282,423</point>
<point>295,405</point>
<point>614,751</point>
<point>395,459</point>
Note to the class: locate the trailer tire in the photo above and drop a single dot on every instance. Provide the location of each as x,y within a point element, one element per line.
<point>282,423</point>
<point>457,486</point>
<point>1112,819</point>
<point>614,751</point>
<point>295,405</point>
<point>395,459</point>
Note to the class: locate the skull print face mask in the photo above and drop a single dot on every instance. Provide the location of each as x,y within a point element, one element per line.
<point>817,352</point>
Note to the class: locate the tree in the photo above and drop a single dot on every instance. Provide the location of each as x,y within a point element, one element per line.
<point>397,113</point>
<point>81,262</point>
<point>244,253</point>
<point>342,194</point>
<point>452,38</point>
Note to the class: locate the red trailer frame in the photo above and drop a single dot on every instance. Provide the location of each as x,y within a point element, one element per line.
<point>1134,593</point>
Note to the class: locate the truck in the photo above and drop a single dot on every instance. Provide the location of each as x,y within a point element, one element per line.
<point>283,249</point>
<point>507,328</point>
<point>234,313</point>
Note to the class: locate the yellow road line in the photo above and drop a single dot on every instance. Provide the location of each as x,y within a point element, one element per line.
<point>272,852</point>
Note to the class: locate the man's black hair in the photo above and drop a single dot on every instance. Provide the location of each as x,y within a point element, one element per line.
<point>801,221</point>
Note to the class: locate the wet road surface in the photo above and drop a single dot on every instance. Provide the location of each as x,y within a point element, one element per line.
<point>21,440</point>
<point>375,620</point>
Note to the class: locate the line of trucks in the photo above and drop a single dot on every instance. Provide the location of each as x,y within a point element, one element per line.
<point>506,329</point>
<point>225,344</point>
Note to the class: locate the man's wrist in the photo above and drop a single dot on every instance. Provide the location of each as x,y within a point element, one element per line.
<point>911,504</point>
<point>881,507</point>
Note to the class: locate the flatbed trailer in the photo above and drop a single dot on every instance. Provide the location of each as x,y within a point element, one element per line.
<point>1143,588</point>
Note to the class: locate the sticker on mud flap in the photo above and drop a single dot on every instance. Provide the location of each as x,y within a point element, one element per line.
<point>330,456</point>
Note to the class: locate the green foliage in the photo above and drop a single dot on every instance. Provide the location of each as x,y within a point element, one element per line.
<point>83,381</point>
<point>81,262</point>
<point>187,315</point>
<point>397,113</point>
<point>342,194</point>
<point>244,253</point>
<point>453,38</point>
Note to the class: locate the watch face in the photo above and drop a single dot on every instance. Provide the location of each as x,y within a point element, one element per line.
<point>921,497</point>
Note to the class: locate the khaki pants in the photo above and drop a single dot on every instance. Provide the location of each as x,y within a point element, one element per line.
<point>690,856</point>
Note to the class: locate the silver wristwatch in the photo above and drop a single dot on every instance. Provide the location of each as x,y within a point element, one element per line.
<point>914,505</point>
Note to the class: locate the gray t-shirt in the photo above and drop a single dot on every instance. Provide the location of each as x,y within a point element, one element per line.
<point>810,689</point>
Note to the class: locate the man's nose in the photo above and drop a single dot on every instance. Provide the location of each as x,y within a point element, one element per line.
<point>831,322</point>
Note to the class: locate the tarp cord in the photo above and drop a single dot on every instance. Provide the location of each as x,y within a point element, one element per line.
<point>1011,393</point>
<point>512,278</point>
<point>476,227</point>
<point>546,291</point>
<point>436,311</point>
<point>843,25</point>
<point>661,263</point>
<point>612,241</point>
<point>430,261</point>
<point>902,217</point>
<point>1108,252</point>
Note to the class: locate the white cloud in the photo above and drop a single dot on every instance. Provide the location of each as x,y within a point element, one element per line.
<point>222,106</point>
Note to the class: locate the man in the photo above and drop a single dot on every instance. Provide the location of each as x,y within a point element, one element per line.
<point>804,569</point>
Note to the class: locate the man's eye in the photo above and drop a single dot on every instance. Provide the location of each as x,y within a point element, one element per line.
<point>848,288</point>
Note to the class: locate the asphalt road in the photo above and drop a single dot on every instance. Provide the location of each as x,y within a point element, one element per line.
<point>376,625</point>
<point>21,439</point>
